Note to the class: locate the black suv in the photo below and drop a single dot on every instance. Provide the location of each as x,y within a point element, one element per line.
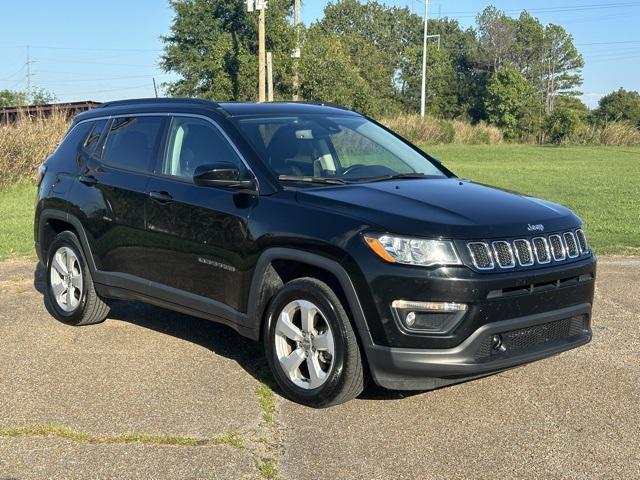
<point>345,249</point>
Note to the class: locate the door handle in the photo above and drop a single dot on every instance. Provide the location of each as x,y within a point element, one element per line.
<point>162,197</point>
<point>88,180</point>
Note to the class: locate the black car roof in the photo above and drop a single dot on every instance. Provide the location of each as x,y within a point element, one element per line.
<point>229,109</point>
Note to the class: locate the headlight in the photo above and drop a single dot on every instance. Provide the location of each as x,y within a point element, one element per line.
<point>413,251</point>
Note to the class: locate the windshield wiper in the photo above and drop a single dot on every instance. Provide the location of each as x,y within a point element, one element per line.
<point>301,178</point>
<point>395,176</point>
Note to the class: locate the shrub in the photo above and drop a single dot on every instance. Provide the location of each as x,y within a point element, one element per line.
<point>431,131</point>
<point>561,124</point>
<point>28,142</point>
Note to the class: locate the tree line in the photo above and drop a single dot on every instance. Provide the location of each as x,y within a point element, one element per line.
<point>515,73</point>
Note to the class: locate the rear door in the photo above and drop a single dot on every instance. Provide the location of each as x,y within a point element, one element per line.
<point>199,234</point>
<point>113,187</point>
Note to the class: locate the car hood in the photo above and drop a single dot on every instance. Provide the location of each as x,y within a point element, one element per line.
<point>449,207</point>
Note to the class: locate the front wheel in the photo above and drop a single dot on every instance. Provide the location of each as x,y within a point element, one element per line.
<point>311,347</point>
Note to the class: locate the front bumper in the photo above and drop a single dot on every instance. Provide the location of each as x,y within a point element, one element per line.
<point>525,339</point>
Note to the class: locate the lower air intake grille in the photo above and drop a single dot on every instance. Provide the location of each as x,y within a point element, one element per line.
<point>533,337</point>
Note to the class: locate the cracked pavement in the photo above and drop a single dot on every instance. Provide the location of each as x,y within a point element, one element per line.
<point>149,371</point>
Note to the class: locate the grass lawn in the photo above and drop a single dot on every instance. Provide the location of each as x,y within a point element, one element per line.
<point>601,184</point>
<point>16,221</point>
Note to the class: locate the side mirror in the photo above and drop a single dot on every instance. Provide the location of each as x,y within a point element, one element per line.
<point>222,174</point>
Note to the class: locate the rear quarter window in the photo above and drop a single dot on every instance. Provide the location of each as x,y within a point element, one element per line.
<point>66,158</point>
<point>133,142</point>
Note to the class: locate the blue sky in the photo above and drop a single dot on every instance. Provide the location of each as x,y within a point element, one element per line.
<point>108,50</point>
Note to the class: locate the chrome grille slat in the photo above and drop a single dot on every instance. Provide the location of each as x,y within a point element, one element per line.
<point>571,244</point>
<point>541,249</point>
<point>480,255</point>
<point>582,242</point>
<point>557,247</point>
<point>504,254</point>
<point>524,253</point>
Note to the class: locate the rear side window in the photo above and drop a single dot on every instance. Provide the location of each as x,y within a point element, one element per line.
<point>93,138</point>
<point>132,142</point>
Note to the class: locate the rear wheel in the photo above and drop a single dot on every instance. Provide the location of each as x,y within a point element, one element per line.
<point>70,295</point>
<point>311,347</point>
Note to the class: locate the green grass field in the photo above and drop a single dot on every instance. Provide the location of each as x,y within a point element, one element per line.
<point>16,221</point>
<point>601,184</point>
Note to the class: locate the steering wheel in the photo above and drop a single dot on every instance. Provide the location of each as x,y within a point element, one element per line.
<point>364,171</point>
<point>351,168</point>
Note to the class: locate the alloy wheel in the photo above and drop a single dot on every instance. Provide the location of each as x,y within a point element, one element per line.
<point>66,279</point>
<point>304,344</point>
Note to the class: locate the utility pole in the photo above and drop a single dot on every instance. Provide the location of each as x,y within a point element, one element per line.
<point>262,6</point>
<point>28,75</point>
<point>269,77</point>
<point>296,52</point>
<point>423,99</point>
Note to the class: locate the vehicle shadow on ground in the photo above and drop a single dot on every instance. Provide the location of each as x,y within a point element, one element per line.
<point>217,338</point>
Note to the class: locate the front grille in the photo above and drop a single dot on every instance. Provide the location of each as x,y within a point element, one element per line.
<point>572,246</point>
<point>480,255</point>
<point>523,252</point>
<point>504,254</point>
<point>541,247</point>
<point>557,248</point>
<point>582,242</point>
<point>533,337</point>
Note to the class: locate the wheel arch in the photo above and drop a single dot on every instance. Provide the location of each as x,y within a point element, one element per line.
<point>52,222</point>
<point>276,266</point>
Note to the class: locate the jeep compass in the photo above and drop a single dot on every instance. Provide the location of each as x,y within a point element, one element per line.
<point>348,252</point>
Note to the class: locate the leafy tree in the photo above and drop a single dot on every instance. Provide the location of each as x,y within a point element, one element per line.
<point>619,105</point>
<point>12,98</point>
<point>560,124</point>
<point>510,103</point>
<point>39,96</point>
<point>15,98</point>
<point>212,45</point>
<point>563,65</point>
<point>441,97</point>
<point>324,55</point>
<point>496,36</point>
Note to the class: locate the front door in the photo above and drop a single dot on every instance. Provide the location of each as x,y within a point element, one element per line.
<point>200,234</point>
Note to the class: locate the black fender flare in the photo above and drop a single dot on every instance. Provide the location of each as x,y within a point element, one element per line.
<point>50,213</point>
<point>281,253</point>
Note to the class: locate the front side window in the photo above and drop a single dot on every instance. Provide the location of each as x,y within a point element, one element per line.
<point>340,148</point>
<point>132,142</point>
<point>193,142</point>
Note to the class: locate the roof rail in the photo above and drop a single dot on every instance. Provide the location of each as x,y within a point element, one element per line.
<point>135,101</point>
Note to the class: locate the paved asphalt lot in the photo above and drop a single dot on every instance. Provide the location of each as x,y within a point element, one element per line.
<point>154,394</point>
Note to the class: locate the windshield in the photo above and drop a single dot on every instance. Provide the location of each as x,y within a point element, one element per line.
<point>333,149</point>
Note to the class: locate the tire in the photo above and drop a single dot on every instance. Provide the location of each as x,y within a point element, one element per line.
<point>70,296</point>
<point>324,376</point>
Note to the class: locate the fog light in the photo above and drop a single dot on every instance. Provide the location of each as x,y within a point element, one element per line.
<point>428,317</point>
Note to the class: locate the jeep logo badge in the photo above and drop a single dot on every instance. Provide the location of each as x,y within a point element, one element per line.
<point>538,227</point>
